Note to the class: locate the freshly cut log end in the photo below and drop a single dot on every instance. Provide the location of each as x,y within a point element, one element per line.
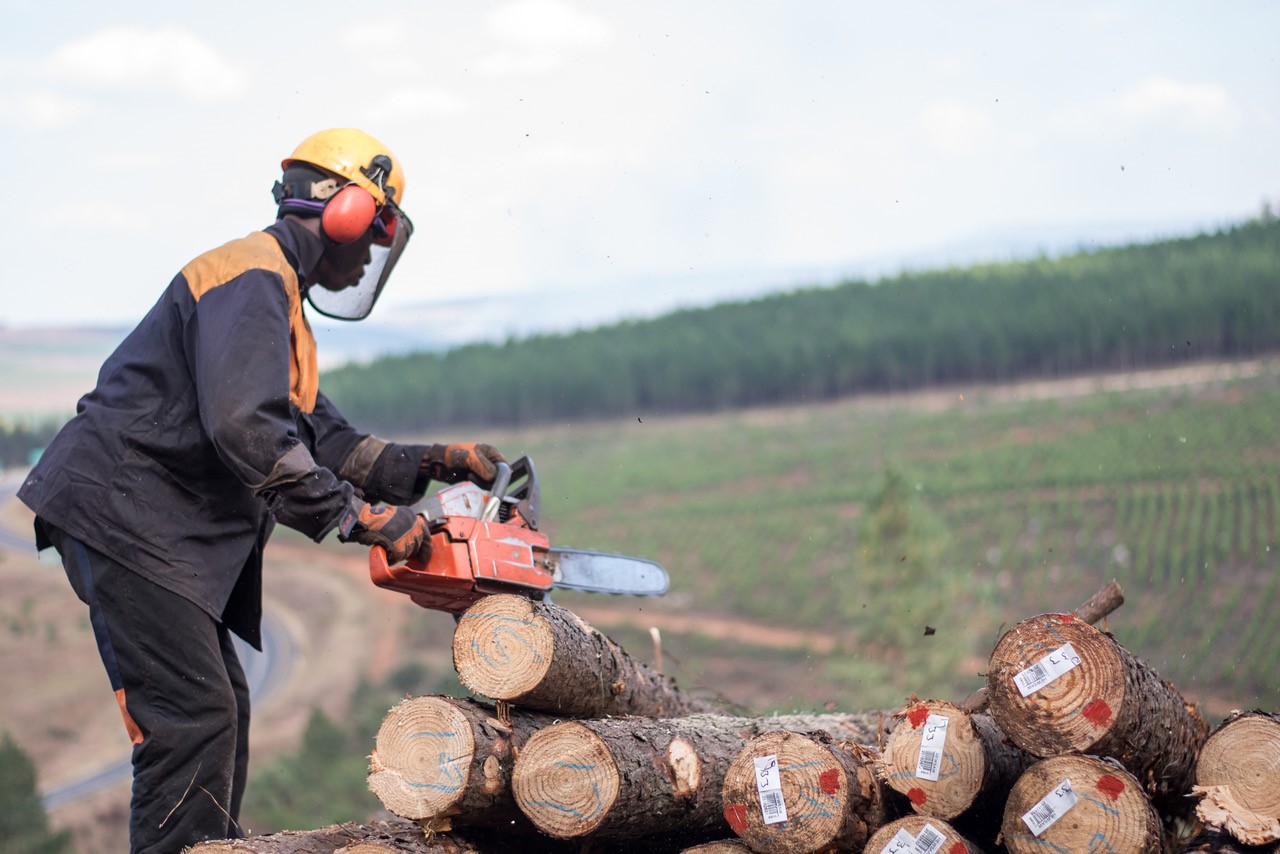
<point>566,781</point>
<point>1110,811</point>
<point>720,846</point>
<point>1087,694</point>
<point>968,755</point>
<point>830,794</point>
<point>442,757</point>
<point>540,656</point>
<point>1236,778</point>
<point>421,761</point>
<point>891,838</point>
<point>502,649</point>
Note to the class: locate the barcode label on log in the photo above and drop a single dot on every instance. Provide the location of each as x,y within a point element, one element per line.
<point>932,740</point>
<point>1051,807</point>
<point>929,840</point>
<point>901,843</point>
<point>769,785</point>
<point>1047,669</point>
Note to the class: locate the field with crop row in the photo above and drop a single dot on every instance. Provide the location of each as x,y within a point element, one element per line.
<point>872,521</point>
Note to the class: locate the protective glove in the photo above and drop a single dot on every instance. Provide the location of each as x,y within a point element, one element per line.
<point>462,461</point>
<point>400,531</point>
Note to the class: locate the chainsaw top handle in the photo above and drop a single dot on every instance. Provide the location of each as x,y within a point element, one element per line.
<point>501,481</point>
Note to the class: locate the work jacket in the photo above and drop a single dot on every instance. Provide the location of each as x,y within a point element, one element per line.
<point>207,427</point>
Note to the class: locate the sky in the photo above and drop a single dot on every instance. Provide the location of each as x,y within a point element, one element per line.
<point>579,160</point>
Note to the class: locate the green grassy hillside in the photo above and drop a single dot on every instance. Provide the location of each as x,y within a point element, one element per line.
<point>866,521</point>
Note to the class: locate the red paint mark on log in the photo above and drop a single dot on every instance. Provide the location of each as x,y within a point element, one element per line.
<point>1111,786</point>
<point>736,815</point>
<point>918,715</point>
<point>1097,713</point>
<point>918,797</point>
<point>958,848</point>
<point>1067,618</point>
<point>829,781</point>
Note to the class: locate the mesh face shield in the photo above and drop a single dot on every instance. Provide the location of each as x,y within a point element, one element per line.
<point>391,233</point>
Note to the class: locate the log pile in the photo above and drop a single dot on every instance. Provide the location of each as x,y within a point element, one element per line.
<point>1074,744</point>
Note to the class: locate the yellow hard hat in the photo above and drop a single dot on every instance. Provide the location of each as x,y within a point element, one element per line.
<point>356,156</point>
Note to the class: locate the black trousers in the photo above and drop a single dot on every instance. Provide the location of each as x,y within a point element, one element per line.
<point>184,698</point>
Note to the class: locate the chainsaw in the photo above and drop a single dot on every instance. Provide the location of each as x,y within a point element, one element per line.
<point>487,541</point>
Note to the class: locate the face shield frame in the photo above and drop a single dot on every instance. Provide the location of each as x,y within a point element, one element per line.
<point>391,229</point>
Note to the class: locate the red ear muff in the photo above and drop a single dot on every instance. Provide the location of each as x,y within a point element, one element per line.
<point>348,214</point>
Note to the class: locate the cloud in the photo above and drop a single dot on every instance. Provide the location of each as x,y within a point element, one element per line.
<point>415,102</point>
<point>1192,104</point>
<point>133,57</point>
<point>1172,109</point>
<point>537,35</point>
<point>40,110</point>
<point>955,127</point>
<point>547,25</point>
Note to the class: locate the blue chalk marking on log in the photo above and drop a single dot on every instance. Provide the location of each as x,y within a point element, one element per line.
<point>498,642</point>
<point>475,647</point>
<point>551,805</point>
<point>432,734</point>
<point>801,765</point>
<point>1099,804</point>
<point>955,767</point>
<point>818,810</point>
<point>570,810</point>
<point>1100,837</point>
<point>522,622</point>
<point>444,763</point>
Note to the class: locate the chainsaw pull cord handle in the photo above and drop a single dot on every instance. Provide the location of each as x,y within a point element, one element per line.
<point>500,483</point>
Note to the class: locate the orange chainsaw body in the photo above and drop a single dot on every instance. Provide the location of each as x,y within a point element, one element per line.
<point>470,559</point>
<point>488,542</point>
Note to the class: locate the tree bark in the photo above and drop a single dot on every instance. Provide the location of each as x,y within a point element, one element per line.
<point>1111,811</point>
<point>1211,842</point>
<point>976,768</point>
<point>392,837</point>
<point>1108,703</point>
<point>628,778</point>
<point>886,839</point>
<point>447,760</point>
<point>830,792</point>
<point>540,656</point>
<point>1238,778</point>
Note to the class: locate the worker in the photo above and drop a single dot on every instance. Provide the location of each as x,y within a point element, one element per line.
<point>205,429</point>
